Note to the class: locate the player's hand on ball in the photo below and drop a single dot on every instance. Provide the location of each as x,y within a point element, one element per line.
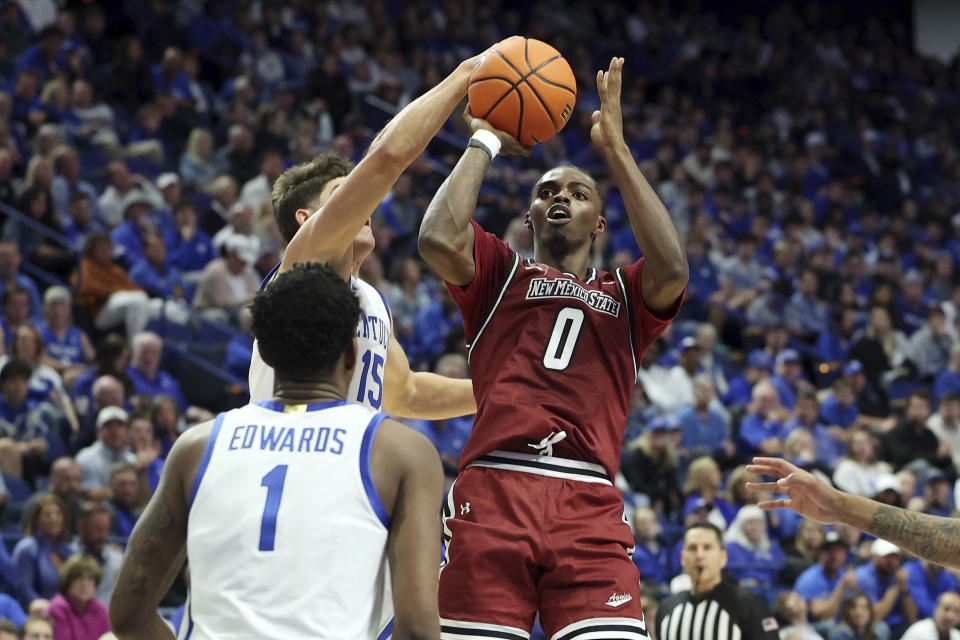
<point>509,144</point>
<point>607,128</point>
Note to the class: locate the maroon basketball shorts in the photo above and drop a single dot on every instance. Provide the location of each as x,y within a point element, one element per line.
<point>529,534</point>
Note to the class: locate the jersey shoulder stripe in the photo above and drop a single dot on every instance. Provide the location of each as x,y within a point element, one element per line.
<point>205,461</point>
<point>503,290</point>
<point>366,476</point>
<point>273,272</point>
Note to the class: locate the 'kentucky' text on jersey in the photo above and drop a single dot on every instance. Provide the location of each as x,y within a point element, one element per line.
<point>550,353</point>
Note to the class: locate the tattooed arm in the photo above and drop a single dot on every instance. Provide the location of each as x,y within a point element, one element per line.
<point>157,546</point>
<point>929,537</point>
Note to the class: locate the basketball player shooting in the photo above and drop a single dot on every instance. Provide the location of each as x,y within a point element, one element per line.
<point>323,210</point>
<point>290,509</point>
<point>533,522</point>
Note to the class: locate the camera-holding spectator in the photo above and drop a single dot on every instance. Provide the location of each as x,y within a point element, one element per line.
<point>76,612</point>
<point>93,527</point>
<point>43,548</point>
<point>825,584</point>
<point>113,434</point>
<point>885,583</point>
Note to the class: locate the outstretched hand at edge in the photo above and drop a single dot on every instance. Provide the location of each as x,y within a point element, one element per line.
<point>807,495</point>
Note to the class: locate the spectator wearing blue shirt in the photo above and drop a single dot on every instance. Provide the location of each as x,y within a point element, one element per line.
<point>448,436</point>
<point>925,582</point>
<point>805,315</point>
<point>128,236</point>
<point>144,370</point>
<point>936,493</point>
<point>11,610</point>
<point>704,429</point>
<point>752,557</point>
<point>788,378</point>
<point>825,584</point>
<point>829,440</point>
<point>188,248</point>
<point>240,347</point>
<point>39,553</point>
<point>704,277</point>
<point>124,490</point>
<point>911,305</point>
<point>10,277</point>
<point>67,183</point>
<point>649,554</point>
<point>833,345</point>
<point>63,342</point>
<point>839,408</point>
<point>44,57</point>
<point>885,583</point>
<point>157,278</point>
<point>948,380</point>
<point>26,421</point>
<point>740,392</point>
<point>169,76</point>
<point>761,431</point>
<point>80,220</point>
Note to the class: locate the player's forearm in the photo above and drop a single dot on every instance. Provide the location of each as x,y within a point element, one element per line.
<point>930,537</point>
<point>407,134</point>
<point>651,222</point>
<point>433,397</point>
<point>446,239</point>
<point>149,626</point>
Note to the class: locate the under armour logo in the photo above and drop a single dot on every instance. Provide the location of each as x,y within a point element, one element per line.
<point>465,508</point>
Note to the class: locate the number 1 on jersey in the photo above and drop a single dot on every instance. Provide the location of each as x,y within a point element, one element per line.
<point>273,481</point>
<point>563,339</point>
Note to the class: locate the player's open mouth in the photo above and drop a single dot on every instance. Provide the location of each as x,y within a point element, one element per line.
<point>558,214</point>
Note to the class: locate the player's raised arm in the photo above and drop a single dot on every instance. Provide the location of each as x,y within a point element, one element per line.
<point>930,537</point>
<point>157,546</point>
<point>446,236</point>
<point>421,394</point>
<point>665,271</point>
<point>328,233</point>
<point>409,479</point>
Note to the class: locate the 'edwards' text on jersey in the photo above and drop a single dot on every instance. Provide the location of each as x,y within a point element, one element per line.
<point>564,288</point>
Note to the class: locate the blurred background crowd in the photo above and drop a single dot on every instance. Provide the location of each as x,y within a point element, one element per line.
<point>807,153</point>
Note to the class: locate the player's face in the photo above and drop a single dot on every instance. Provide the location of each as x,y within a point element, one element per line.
<point>703,554</point>
<point>565,205</point>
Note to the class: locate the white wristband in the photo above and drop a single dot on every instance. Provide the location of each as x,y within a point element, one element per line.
<point>487,140</point>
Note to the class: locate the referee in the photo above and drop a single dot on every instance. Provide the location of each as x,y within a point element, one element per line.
<point>712,610</point>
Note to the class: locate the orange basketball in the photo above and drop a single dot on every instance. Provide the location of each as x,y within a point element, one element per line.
<point>524,87</point>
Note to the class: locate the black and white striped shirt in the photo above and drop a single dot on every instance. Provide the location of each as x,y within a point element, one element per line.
<point>725,612</point>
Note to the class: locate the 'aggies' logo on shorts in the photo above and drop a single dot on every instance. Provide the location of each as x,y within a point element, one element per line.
<point>617,599</point>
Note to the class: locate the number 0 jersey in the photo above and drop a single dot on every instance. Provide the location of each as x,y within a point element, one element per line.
<point>286,534</point>
<point>373,340</point>
<point>549,353</point>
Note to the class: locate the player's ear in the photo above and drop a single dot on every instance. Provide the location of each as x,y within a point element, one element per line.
<point>601,225</point>
<point>527,224</point>
<point>301,216</point>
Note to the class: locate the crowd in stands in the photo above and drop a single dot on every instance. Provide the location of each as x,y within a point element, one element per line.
<point>812,167</point>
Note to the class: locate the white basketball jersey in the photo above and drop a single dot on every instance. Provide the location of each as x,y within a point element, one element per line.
<point>373,338</point>
<point>286,534</point>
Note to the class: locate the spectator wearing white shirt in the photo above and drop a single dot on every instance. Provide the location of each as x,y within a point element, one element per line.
<point>113,432</point>
<point>241,224</point>
<point>945,424</point>
<point>230,282</point>
<point>258,189</point>
<point>860,472</point>
<point>679,380</point>
<point>942,626</point>
<point>122,183</point>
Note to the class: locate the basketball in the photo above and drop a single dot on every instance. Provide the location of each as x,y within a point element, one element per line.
<point>524,87</point>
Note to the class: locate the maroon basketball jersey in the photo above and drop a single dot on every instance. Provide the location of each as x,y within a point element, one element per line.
<point>550,353</point>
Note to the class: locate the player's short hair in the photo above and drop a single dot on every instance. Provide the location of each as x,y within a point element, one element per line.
<point>300,185</point>
<point>76,567</point>
<point>570,165</point>
<point>705,525</point>
<point>304,321</point>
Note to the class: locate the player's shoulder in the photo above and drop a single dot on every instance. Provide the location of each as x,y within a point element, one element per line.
<point>406,443</point>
